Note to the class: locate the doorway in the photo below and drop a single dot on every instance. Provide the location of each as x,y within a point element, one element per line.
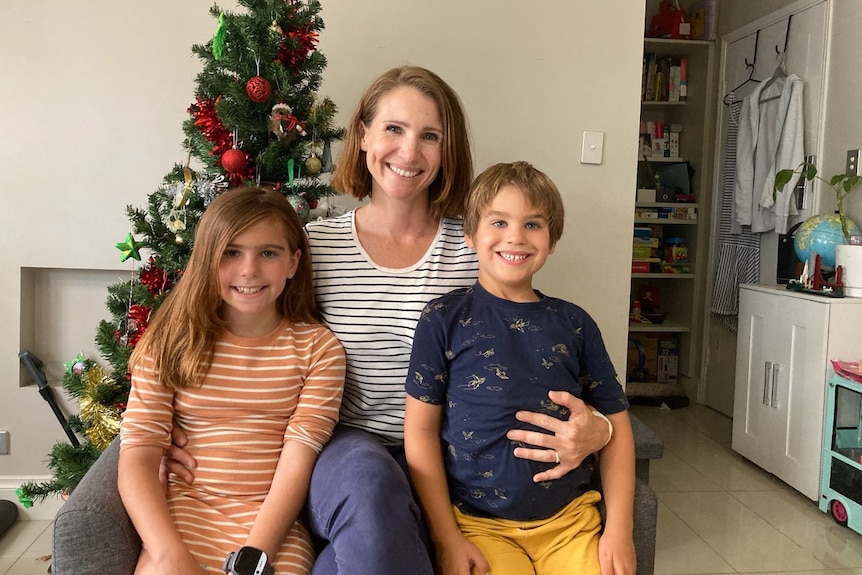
<point>750,54</point>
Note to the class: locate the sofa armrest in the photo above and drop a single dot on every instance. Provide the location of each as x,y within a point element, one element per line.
<point>648,445</point>
<point>93,534</point>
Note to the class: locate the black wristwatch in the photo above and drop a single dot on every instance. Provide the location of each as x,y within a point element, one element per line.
<point>247,561</point>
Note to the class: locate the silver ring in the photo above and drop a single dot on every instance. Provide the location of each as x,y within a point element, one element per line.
<point>556,457</point>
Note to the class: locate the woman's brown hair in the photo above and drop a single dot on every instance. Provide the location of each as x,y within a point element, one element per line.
<point>182,332</point>
<point>448,191</point>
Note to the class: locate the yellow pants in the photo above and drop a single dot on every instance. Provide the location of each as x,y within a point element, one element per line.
<point>567,542</point>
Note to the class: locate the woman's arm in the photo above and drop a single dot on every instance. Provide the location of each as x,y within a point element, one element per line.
<point>455,554</point>
<point>617,465</point>
<point>144,499</point>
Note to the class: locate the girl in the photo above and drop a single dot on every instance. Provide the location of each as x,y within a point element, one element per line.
<point>236,357</point>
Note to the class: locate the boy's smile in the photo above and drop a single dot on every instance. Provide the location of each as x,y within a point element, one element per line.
<point>512,242</point>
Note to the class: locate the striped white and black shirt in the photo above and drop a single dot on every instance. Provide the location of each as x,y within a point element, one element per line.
<point>373,310</point>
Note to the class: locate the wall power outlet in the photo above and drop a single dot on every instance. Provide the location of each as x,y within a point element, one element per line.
<point>4,442</point>
<point>853,167</point>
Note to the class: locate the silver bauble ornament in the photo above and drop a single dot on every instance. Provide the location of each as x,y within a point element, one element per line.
<point>300,205</point>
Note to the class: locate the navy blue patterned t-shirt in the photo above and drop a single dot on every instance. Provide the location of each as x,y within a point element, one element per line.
<point>483,358</point>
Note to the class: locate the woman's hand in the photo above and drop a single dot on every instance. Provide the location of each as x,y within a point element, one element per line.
<point>572,441</point>
<point>177,460</point>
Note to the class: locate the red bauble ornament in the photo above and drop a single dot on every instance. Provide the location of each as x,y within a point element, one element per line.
<point>258,89</point>
<point>234,161</point>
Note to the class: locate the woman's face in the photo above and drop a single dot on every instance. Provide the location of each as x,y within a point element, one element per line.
<point>403,144</point>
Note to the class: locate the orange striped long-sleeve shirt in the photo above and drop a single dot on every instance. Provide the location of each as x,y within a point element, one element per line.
<point>257,394</point>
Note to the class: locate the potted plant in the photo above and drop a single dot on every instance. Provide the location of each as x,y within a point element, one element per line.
<point>841,184</point>
<point>848,255</point>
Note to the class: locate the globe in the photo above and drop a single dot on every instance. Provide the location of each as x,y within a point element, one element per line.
<point>820,234</point>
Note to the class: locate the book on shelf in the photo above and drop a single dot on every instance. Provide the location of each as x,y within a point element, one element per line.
<point>648,87</point>
<point>683,79</point>
<point>664,79</point>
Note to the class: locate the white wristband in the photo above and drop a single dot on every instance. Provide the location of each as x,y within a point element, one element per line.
<point>610,425</point>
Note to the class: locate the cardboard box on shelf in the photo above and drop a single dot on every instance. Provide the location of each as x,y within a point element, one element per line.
<point>645,195</point>
<point>653,357</point>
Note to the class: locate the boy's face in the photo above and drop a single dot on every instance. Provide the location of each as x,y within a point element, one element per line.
<point>512,243</point>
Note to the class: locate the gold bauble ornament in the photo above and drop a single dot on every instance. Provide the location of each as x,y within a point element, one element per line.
<point>313,166</point>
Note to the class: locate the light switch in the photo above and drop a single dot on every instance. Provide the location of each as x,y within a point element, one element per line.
<point>591,150</point>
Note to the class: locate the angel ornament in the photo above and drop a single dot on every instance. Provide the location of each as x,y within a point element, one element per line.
<point>284,125</point>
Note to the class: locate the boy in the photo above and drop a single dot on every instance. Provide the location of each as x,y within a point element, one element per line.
<point>480,355</point>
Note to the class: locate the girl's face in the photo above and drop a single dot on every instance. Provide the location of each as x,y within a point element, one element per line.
<point>512,243</point>
<point>253,271</point>
<point>403,144</point>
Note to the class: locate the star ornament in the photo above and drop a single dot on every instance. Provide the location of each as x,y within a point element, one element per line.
<point>129,248</point>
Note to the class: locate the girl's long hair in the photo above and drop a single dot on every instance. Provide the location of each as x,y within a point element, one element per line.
<point>182,332</point>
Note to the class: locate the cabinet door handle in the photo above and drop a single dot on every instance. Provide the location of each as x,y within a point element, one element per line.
<point>767,378</point>
<point>773,400</point>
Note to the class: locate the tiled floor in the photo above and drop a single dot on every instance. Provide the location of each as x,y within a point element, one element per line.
<point>24,549</point>
<point>718,513</point>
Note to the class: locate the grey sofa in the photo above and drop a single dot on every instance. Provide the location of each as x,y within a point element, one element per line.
<point>94,536</point>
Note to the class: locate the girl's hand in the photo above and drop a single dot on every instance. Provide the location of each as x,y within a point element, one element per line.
<point>459,556</point>
<point>173,562</point>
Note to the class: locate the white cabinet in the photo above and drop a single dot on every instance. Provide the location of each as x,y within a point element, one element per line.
<point>784,345</point>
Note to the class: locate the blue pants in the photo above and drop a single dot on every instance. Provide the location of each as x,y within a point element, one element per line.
<point>362,510</point>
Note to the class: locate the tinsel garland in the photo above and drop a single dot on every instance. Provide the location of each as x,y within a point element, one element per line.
<point>103,421</point>
<point>139,319</point>
<point>155,278</point>
<point>288,54</point>
<point>211,126</point>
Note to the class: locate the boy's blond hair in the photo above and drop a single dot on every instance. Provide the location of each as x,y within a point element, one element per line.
<point>539,190</point>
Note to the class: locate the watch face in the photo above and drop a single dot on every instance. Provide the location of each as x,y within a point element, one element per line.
<point>247,561</point>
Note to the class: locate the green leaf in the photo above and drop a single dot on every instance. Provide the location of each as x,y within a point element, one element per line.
<point>836,179</point>
<point>851,182</point>
<point>782,178</point>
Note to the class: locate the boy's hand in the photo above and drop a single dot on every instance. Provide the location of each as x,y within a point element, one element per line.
<point>572,440</point>
<point>459,556</point>
<point>177,460</point>
<point>617,554</point>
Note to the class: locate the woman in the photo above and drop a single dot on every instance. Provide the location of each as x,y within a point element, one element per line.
<point>407,152</point>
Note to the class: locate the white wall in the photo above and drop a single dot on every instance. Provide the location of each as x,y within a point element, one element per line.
<point>843,116</point>
<point>94,92</point>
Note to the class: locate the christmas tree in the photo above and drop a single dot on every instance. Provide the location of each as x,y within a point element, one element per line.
<point>256,119</point>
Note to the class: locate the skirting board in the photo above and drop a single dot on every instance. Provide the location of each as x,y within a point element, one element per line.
<point>41,511</point>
